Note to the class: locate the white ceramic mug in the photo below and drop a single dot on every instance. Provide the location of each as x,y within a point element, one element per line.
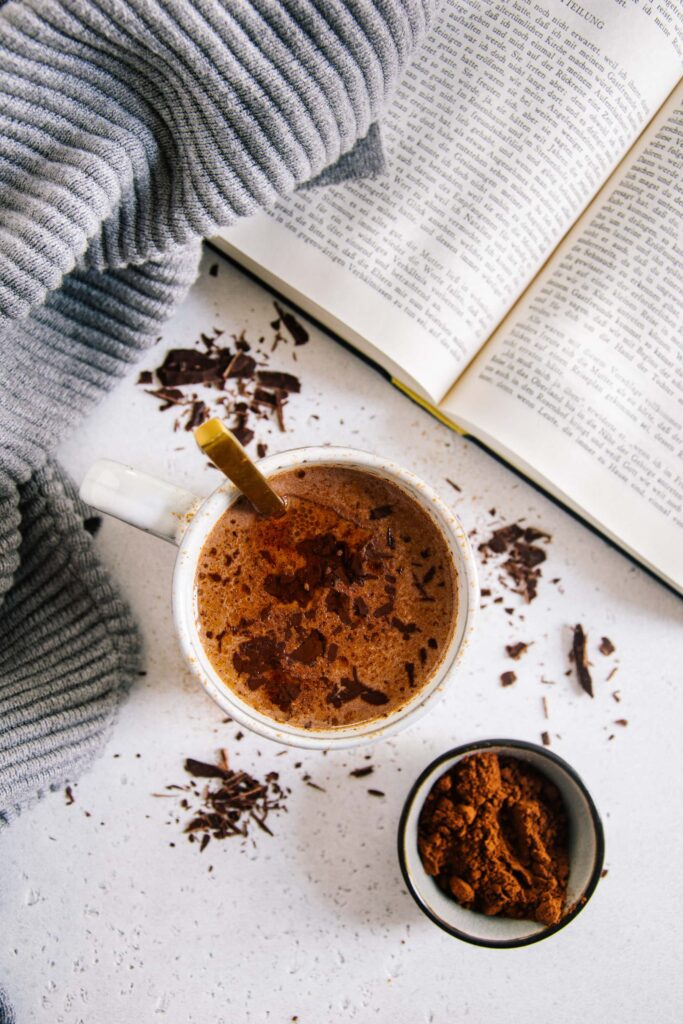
<point>184,519</point>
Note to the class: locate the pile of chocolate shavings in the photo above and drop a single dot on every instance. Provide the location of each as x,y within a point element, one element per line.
<point>523,557</point>
<point>236,384</point>
<point>230,804</point>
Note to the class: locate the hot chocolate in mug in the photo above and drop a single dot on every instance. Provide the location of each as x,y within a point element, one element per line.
<point>186,520</point>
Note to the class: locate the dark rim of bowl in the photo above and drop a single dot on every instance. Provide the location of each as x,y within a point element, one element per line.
<point>597,825</point>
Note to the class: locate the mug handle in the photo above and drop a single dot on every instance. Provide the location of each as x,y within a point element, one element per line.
<point>144,501</point>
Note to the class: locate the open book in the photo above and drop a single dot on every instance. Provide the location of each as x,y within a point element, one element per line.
<point>519,268</point>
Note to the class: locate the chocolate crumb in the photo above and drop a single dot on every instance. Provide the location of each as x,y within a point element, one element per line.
<point>360,773</point>
<point>68,793</point>
<point>145,377</point>
<point>508,678</point>
<point>545,736</point>
<point>604,873</point>
<point>515,651</point>
<point>376,792</point>
<point>621,721</point>
<point>606,646</point>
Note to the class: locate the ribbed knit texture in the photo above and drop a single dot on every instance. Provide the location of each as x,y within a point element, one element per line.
<point>129,129</point>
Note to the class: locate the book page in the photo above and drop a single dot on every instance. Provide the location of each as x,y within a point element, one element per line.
<point>583,383</point>
<point>505,126</point>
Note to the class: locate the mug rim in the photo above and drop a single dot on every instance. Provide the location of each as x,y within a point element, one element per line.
<point>474,747</point>
<point>203,519</point>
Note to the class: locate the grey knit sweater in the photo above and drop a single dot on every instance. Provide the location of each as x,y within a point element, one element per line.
<point>129,129</point>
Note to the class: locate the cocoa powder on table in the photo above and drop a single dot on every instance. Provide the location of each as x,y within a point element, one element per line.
<point>494,834</point>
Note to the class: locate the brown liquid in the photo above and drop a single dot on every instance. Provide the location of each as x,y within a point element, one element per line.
<point>337,612</point>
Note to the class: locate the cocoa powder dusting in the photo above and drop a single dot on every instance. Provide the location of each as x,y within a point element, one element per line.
<point>493,833</point>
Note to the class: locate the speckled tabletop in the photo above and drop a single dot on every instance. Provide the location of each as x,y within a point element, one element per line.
<point>109,916</point>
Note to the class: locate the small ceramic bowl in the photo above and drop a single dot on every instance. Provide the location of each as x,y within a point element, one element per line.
<point>586,849</point>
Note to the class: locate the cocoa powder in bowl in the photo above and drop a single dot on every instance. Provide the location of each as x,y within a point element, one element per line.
<point>494,834</point>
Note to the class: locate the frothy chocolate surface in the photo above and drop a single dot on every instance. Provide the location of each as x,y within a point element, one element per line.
<point>334,614</point>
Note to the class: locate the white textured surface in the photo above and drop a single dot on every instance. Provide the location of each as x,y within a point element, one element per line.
<point>103,922</point>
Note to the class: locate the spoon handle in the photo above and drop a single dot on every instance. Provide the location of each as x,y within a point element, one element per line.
<point>228,455</point>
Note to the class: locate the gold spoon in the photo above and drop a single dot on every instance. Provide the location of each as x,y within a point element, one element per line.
<point>227,454</point>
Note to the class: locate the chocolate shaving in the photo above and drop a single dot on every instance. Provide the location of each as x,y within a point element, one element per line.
<point>240,365</point>
<point>578,656</point>
<point>280,410</point>
<point>360,773</point>
<point>203,770</point>
<point>277,379</point>
<point>312,648</point>
<point>454,485</point>
<point>381,511</point>
<point>339,603</point>
<point>68,793</point>
<point>242,432</point>
<point>198,414</point>
<point>297,330</point>
<point>168,397</point>
<point>349,689</point>
<point>265,397</point>
<point>406,629</point>
<point>376,792</point>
